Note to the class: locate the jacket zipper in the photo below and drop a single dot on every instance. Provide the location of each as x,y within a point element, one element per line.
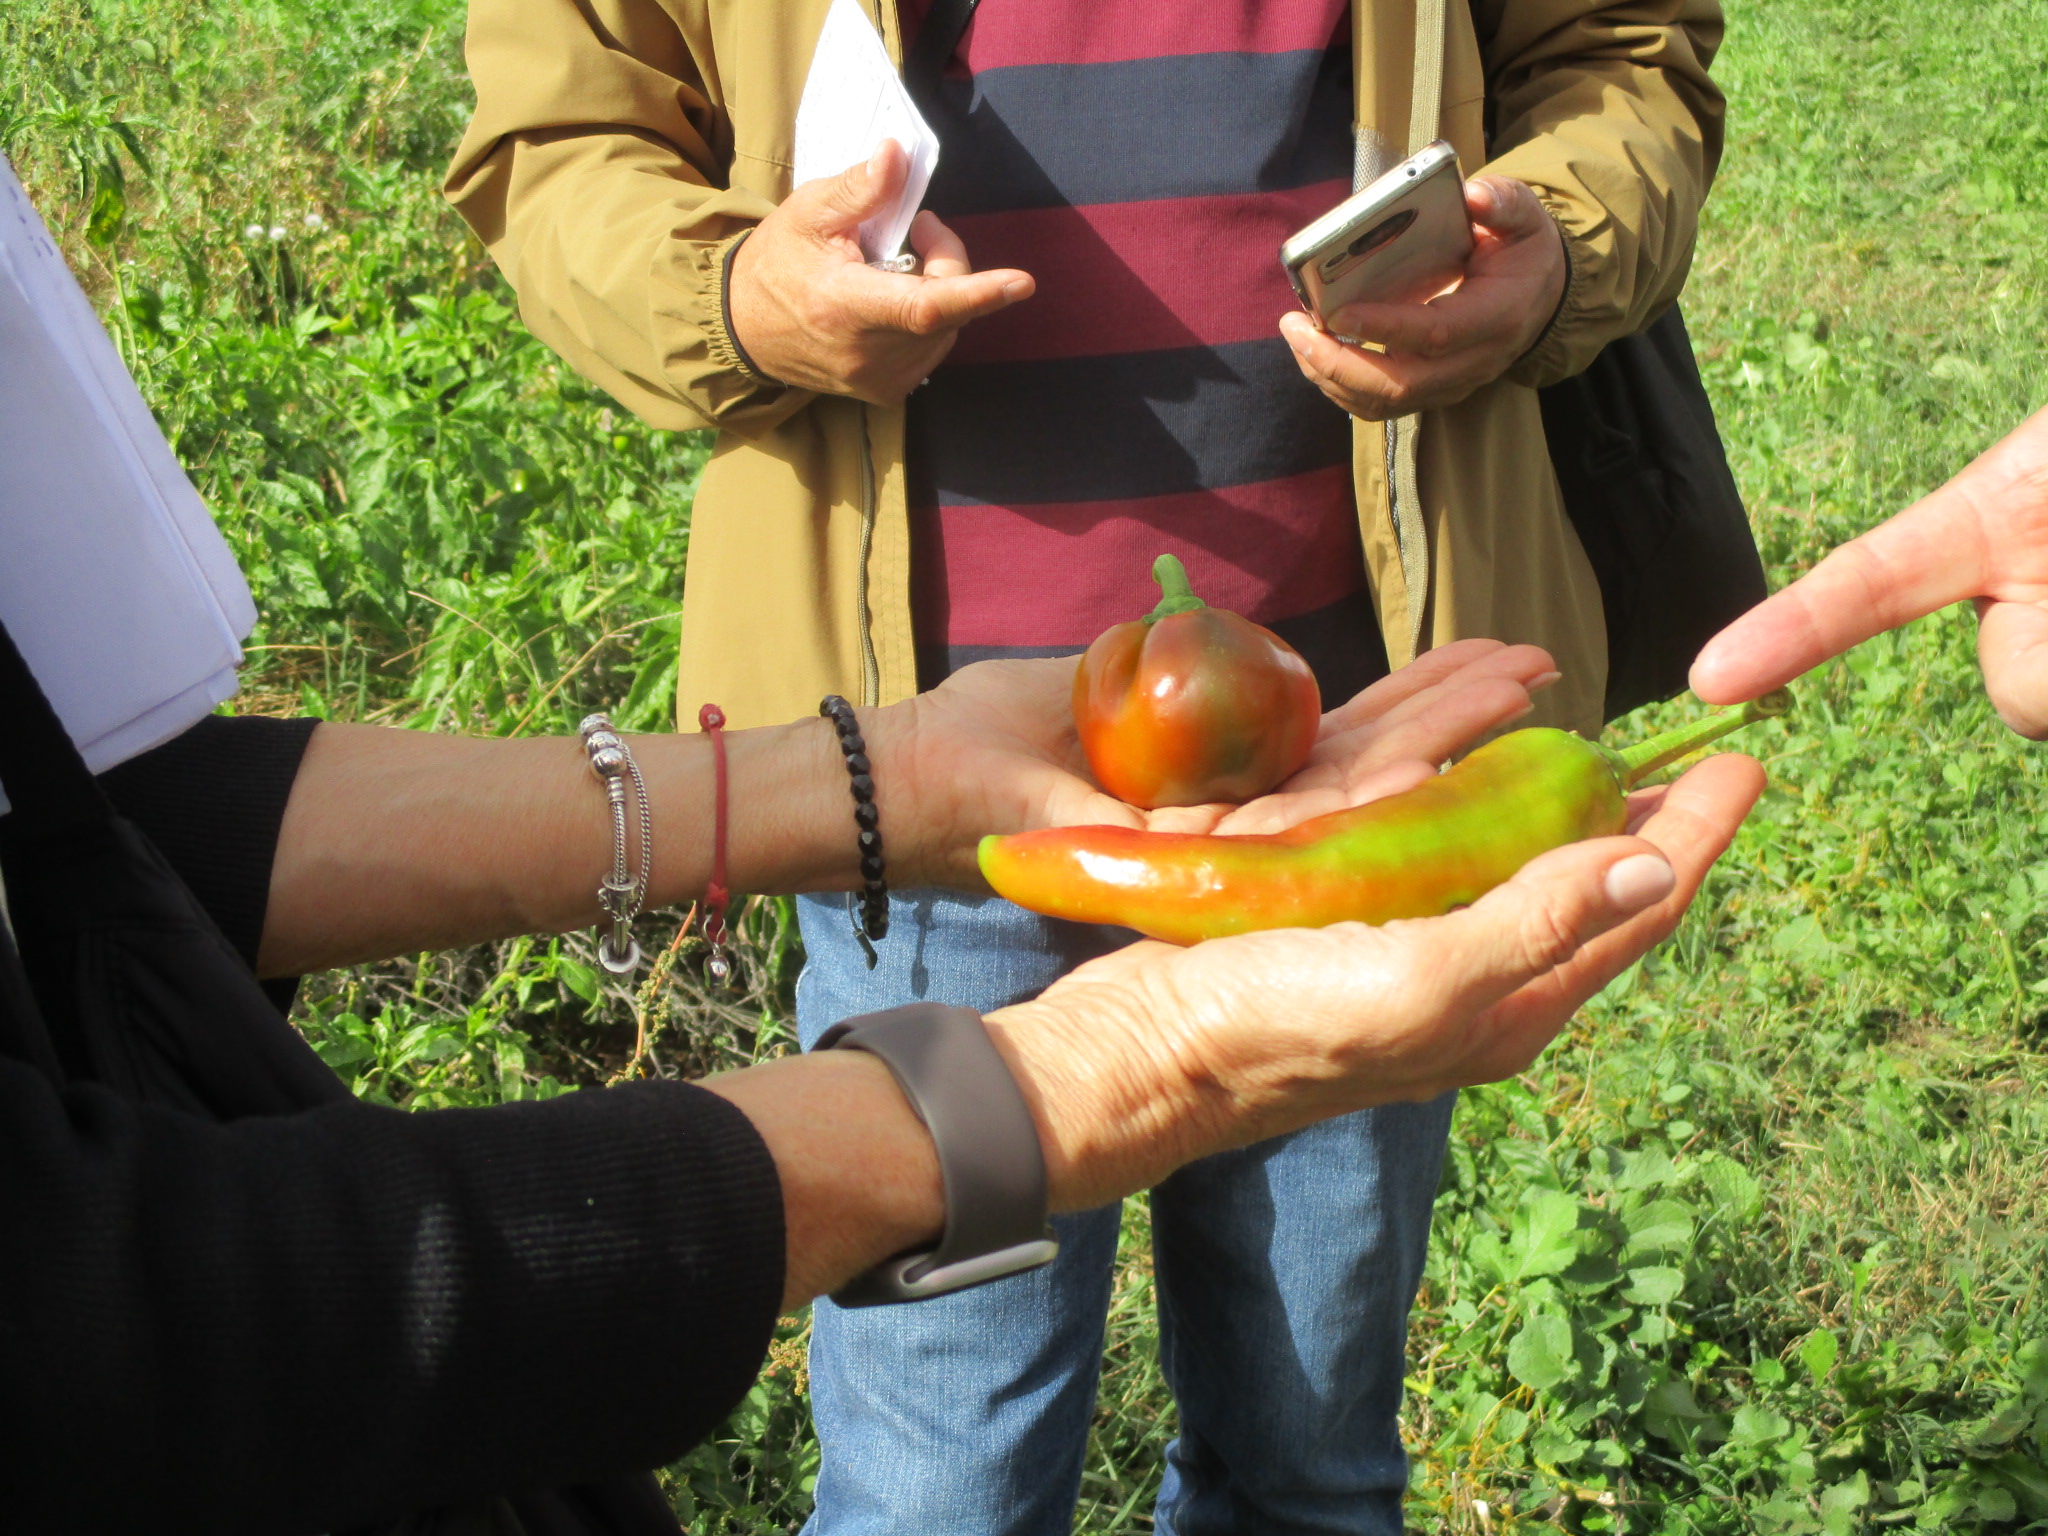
<point>870,667</point>
<point>1387,436</point>
<point>1390,433</point>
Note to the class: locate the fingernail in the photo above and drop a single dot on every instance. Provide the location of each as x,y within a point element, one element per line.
<point>1015,291</point>
<point>1544,681</point>
<point>1638,881</point>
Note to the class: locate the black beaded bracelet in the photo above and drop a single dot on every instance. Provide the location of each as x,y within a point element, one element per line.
<point>873,922</point>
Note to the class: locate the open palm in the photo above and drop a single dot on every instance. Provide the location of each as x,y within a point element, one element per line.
<point>994,749</point>
<point>1273,1030</point>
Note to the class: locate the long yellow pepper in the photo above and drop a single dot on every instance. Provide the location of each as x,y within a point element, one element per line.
<point>1441,845</point>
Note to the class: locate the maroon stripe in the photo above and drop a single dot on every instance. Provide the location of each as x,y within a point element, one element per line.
<point>1139,277</point>
<point>1003,36</point>
<point>1061,573</point>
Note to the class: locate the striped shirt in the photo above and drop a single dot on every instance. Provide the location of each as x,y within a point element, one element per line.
<point>1143,161</point>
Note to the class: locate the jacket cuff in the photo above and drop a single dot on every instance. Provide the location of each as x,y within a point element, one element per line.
<point>725,342</point>
<point>1550,356</point>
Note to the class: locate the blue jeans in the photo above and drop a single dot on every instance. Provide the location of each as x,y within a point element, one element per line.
<point>1284,1274</point>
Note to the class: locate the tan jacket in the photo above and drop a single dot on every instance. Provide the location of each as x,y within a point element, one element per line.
<point>620,147</point>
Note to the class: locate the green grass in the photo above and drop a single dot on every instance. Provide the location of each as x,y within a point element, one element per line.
<point>1758,1247</point>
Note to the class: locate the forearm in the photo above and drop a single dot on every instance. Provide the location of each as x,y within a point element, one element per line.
<point>397,841</point>
<point>860,1179</point>
<point>598,171</point>
<point>1615,123</point>
<point>619,255</point>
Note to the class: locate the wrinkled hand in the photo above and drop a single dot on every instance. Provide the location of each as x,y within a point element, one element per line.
<point>1152,1056</point>
<point>1440,352</point>
<point>811,313</point>
<point>1984,535</point>
<point>994,749</point>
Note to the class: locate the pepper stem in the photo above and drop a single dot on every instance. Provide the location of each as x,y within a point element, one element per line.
<point>1176,596</point>
<point>1646,757</point>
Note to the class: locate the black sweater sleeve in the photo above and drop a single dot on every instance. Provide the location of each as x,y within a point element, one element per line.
<point>306,1322</point>
<point>311,1321</point>
<point>212,801</point>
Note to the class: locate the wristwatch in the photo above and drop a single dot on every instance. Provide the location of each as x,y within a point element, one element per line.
<point>989,1157</point>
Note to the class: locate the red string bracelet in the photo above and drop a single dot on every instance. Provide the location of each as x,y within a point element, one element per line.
<point>711,720</point>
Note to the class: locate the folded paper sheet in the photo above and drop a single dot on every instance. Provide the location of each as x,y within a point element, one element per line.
<point>113,579</point>
<point>854,100</point>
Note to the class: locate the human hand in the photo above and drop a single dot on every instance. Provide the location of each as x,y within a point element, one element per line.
<point>811,313</point>
<point>1440,352</point>
<point>1392,735</point>
<point>1984,535</point>
<point>1152,1056</point>
<point>994,749</point>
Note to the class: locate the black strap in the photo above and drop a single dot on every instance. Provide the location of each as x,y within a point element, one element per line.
<point>990,1160</point>
<point>943,26</point>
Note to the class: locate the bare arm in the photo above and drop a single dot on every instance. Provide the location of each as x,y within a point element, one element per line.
<point>397,841</point>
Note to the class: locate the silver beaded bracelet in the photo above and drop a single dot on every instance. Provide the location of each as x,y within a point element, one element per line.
<point>622,891</point>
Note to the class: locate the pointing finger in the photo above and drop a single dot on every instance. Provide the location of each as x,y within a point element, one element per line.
<point>1980,535</point>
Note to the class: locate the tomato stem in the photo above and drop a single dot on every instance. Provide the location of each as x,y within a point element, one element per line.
<point>1646,757</point>
<point>1176,596</point>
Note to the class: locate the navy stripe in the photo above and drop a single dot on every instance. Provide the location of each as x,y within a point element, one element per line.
<point>1341,643</point>
<point>1129,424</point>
<point>1200,125</point>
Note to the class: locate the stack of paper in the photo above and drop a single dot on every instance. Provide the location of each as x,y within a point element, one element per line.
<point>114,581</point>
<point>853,101</point>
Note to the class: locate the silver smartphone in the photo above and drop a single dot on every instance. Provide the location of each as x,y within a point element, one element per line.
<point>1402,239</point>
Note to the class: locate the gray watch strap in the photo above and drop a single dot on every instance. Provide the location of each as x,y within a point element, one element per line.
<point>989,1157</point>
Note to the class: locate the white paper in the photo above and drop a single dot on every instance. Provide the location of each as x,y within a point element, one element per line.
<point>854,100</point>
<point>136,434</point>
<point>114,582</point>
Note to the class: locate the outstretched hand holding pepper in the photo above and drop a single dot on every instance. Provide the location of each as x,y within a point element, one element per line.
<point>1152,1055</point>
<point>994,749</point>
